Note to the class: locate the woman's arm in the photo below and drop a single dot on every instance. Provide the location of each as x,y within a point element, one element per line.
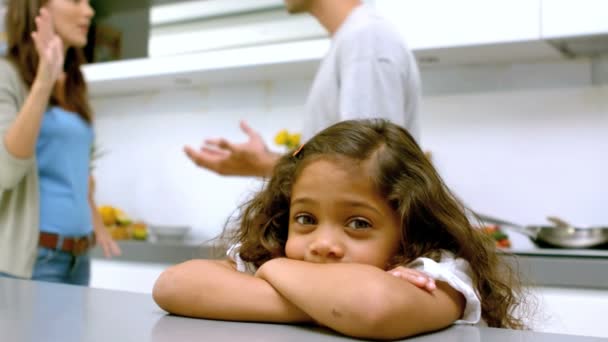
<point>362,300</point>
<point>20,139</point>
<point>102,236</point>
<point>215,289</point>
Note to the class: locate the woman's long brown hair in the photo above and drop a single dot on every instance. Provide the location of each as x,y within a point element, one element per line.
<point>20,23</point>
<point>432,219</point>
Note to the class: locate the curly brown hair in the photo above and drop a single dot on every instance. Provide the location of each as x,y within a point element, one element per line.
<point>432,219</point>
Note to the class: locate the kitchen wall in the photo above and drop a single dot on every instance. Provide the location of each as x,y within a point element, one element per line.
<point>520,142</point>
<point>145,171</point>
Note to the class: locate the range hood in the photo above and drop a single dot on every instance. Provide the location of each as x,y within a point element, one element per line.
<point>582,46</point>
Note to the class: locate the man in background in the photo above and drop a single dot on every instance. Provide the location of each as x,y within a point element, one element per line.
<point>368,72</point>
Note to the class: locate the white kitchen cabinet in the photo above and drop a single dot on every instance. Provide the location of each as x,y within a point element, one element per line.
<point>574,311</point>
<point>440,32</point>
<point>428,24</point>
<point>284,61</point>
<point>569,18</point>
<point>125,276</point>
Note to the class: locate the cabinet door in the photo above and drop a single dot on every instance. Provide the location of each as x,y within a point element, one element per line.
<point>566,18</point>
<point>125,276</point>
<point>430,24</point>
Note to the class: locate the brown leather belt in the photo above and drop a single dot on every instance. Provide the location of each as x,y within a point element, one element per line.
<point>74,245</point>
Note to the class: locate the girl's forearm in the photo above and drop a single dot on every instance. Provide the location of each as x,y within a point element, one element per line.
<point>340,296</point>
<point>21,137</point>
<point>214,289</point>
<point>353,299</point>
<point>362,300</point>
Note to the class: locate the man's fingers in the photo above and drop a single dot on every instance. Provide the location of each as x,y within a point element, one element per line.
<point>220,143</point>
<point>214,152</point>
<point>225,144</point>
<point>207,158</point>
<point>248,130</point>
<point>193,154</point>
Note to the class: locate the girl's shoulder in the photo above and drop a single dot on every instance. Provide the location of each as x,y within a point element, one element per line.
<point>457,273</point>
<point>242,266</point>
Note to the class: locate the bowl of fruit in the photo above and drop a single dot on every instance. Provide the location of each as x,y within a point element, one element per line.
<point>168,233</point>
<point>120,225</point>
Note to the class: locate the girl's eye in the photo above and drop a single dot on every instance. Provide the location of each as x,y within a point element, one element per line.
<point>304,219</point>
<point>359,224</point>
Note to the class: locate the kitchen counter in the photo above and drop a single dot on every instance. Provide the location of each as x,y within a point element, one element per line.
<point>159,252</point>
<point>40,311</point>
<point>560,267</point>
<point>586,268</point>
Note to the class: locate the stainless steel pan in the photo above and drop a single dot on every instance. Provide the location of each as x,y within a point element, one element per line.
<point>564,236</point>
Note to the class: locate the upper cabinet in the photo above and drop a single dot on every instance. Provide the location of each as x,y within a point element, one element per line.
<point>268,44</point>
<point>448,23</point>
<point>570,18</point>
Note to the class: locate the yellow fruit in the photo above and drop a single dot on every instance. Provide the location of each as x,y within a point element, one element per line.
<point>139,231</point>
<point>108,215</point>
<point>121,217</point>
<point>293,140</point>
<point>281,137</point>
<point>140,234</point>
<point>118,233</point>
<point>123,221</point>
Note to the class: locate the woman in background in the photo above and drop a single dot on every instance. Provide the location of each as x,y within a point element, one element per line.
<point>48,219</point>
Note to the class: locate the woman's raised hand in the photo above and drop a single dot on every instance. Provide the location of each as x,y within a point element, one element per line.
<point>50,49</point>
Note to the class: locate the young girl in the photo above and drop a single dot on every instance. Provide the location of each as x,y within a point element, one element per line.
<point>339,236</point>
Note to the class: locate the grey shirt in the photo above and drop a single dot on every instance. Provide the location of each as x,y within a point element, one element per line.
<point>19,202</point>
<point>368,72</point>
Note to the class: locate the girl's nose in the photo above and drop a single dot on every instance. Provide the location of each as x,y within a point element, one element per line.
<point>326,249</point>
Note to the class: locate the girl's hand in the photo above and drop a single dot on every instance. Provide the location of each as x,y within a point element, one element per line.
<point>50,49</point>
<point>415,277</point>
<point>104,240</point>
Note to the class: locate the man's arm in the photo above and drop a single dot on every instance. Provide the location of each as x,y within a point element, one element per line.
<point>215,289</point>
<point>361,300</point>
<point>251,158</point>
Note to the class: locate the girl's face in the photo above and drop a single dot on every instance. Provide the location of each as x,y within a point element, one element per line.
<point>337,216</point>
<point>71,19</point>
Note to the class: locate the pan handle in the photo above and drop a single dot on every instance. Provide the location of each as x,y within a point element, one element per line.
<point>529,231</point>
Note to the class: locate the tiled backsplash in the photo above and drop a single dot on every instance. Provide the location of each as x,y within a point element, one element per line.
<point>516,154</point>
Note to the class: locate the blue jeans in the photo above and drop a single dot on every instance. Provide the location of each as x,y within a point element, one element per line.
<point>6,275</point>
<point>62,267</point>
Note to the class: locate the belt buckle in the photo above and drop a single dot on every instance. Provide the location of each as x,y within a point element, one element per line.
<point>81,245</point>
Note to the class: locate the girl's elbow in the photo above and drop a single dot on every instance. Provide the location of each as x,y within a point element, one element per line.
<point>164,290</point>
<point>375,317</point>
